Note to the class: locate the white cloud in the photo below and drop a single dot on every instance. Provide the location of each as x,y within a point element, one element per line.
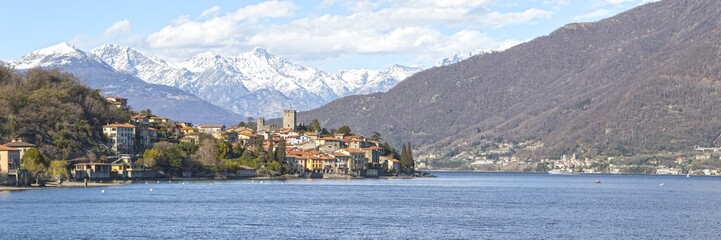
<point>497,20</point>
<point>428,29</point>
<point>595,14</point>
<point>210,11</point>
<point>119,27</point>
<point>617,2</point>
<point>218,31</point>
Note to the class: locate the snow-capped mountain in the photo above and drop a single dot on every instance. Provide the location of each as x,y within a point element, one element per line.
<point>254,83</point>
<point>460,56</point>
<point>163,100</point>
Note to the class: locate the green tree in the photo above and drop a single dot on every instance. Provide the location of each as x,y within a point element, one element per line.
<point>248,155</point>
<point>165,156</point>
<point>149,157</point>
<point>344,130</point>
<point>411,161</point>
<point>404,156</point>
<point>274,166</point>
<point>223,150</point>
<point>58,170</point>
<point>376,136</point>
<point>407,158</point>
<point>35,163</point>
<point>270,156</point>
<point>314,126</point>
<point>207,155</point>
<point>280,151</point>
<point>236,151</point>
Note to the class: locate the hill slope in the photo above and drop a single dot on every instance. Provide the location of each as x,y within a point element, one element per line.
<point>645,80</point>
<point>55,112</point>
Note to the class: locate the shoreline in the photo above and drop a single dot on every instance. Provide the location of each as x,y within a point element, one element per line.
<point>113,183</point>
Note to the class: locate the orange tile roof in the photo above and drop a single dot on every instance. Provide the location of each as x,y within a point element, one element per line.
<point>6,148</point>
<point>20,144</point>
<point>329,139</point>
<point>124,125</point>
<point>373,148</point>
<point>353,150</point>
<point>212,126</point>
<point>340,154</point>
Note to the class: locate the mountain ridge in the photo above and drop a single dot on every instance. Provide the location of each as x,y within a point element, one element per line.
<point>256,78</point>
<point>642,81</point>
<point>163,100</point>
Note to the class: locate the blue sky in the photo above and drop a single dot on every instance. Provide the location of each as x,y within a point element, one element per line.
<point>327,34</point>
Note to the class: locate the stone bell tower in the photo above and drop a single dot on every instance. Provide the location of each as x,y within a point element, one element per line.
<point>289,119</point>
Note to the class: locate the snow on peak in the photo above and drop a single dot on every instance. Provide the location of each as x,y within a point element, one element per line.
<point>62,48</point>
<point>252,83</point>
<point>460,56</point>
<point>129,60</point>
<point>260,52</point>
<point>56,55</point>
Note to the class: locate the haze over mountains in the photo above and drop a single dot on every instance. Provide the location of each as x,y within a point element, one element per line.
<point>646,80</point>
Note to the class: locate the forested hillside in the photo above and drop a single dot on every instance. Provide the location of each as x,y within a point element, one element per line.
<point>54,111</point>
<point>647,80</point>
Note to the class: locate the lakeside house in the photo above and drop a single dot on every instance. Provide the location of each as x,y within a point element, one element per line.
<point>20,145</point>
<point>121,137</point>
<point>125,168</point>
<point>92,171</point>
<point>9,165</point>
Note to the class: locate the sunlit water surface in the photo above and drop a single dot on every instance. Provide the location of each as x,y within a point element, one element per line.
<point>451,206</point>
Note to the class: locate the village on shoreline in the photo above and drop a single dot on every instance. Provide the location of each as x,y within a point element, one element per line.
<point>150,147</point>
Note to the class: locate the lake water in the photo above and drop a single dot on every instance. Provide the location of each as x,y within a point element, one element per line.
<point>451,206</point>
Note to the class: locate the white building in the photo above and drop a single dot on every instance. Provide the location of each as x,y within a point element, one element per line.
<point>121,137</point>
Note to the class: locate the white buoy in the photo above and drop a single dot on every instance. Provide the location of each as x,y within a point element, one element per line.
<point>158,181</point>
<point>183,183</point>
<point>102,191</point>
<point>152,190</point>
<point>170,181</point>
<point>261,181</point>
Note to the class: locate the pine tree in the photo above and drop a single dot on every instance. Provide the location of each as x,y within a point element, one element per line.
<point>411,162</point>
<point>404,157</point>
<point>271,155</point>
<point>280,151</point>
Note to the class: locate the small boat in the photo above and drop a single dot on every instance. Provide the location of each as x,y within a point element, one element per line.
<point>661,184</point>
<point>688,175</point>
<point>597,181</point>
